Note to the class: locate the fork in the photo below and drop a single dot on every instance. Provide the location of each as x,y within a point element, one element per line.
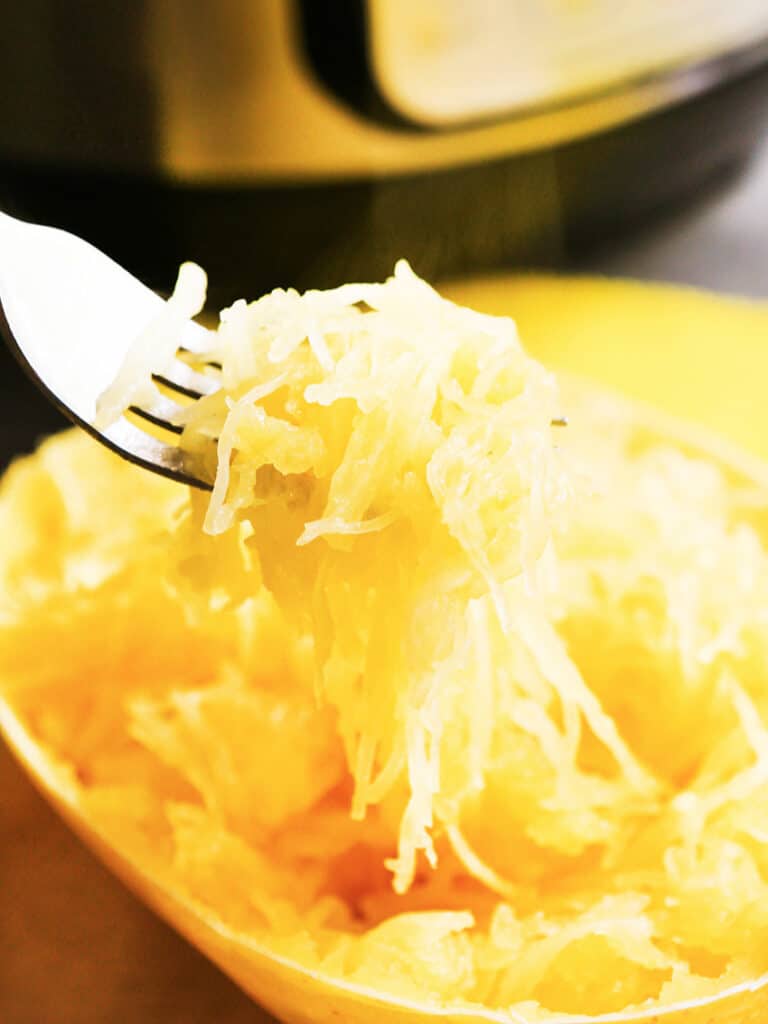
<point>70,314</point>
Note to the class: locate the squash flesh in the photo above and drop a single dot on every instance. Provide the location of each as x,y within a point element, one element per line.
<point>583,830</point>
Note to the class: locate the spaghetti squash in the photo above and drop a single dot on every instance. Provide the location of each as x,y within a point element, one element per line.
<point>429,695</point>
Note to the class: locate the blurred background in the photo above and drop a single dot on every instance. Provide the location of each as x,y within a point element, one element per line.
<point>307,142</point>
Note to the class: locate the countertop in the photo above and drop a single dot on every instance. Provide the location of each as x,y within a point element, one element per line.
<point>719,241</point>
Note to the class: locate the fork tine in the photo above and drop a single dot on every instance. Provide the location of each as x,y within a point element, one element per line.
<point>134,444</point>
<point>161,413</point>
<point>193,358</point>
<point>185,381</point>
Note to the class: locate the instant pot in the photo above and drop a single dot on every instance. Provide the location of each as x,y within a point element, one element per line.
<point>308,142</point>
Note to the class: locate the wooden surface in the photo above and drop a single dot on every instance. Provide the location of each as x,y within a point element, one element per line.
<point>77,948</point>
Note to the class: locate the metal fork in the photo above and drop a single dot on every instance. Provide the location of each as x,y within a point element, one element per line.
<point>69,313</point>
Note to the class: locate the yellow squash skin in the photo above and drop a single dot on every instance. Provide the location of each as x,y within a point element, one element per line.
<point>694,354</point>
